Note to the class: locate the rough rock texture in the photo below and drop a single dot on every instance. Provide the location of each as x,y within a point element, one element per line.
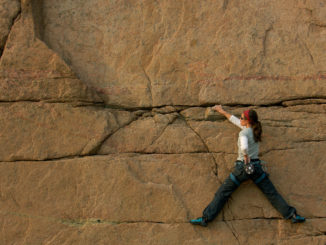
<point>30,71</point>
<point>9,11</point>
<point>154,53</point>
<point>38,131</point>
<point>103,133</point>
<point>149,200</point>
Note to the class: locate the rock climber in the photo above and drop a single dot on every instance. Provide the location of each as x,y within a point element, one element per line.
<point>247,166</point>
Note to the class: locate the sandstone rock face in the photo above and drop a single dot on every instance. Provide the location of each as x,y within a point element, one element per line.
<point>30,71</point>
<point>103,132</point>
<point>146,202</point>
<point>187,53</point>
<point>38,131</point>
<point>9,10</point>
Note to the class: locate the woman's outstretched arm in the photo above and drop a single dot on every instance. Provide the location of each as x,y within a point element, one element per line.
<point>233,119</point>
<point>219,109</point>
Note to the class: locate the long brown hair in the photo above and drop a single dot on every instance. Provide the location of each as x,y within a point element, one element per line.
<point>256,125</point>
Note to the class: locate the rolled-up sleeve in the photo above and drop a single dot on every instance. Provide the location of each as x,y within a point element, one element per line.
<point>236,121</point>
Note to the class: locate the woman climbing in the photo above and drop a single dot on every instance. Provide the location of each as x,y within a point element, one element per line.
<point>247,167</point>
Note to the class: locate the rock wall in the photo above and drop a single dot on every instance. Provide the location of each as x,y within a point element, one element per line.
<point>104,138</point>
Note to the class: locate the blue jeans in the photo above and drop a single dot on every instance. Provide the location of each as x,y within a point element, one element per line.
<point>260,178</point>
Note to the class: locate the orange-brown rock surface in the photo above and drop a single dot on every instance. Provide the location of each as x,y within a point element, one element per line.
<point>104,138</point>
<point>9,10</point>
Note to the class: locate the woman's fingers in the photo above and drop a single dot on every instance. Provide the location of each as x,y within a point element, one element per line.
<point>218,108</point>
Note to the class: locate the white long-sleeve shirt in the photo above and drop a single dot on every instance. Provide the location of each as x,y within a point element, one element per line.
<point>246,142</point>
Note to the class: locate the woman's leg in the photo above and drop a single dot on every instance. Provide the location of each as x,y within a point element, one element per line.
<point>267,187</point>
<point>224,192</point>
<point>220,198</point>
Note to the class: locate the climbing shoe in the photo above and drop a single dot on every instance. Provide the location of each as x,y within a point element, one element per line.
<point>199,221</point>
<point>297,219</point>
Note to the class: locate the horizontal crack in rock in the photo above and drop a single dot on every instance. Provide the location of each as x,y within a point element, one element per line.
<point>75,103</point>
<point>97,221</point>
<point>281,103</point>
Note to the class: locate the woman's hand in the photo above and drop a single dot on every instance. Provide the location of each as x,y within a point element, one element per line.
<point>246,159</point>
<point>218,108</point>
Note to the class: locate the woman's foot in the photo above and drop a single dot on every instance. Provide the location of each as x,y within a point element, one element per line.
<point>199,221</point>
<point>297,218</point>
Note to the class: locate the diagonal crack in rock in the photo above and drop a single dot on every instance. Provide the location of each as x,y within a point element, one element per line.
<point>13,20</point>
<point>215,171</point>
